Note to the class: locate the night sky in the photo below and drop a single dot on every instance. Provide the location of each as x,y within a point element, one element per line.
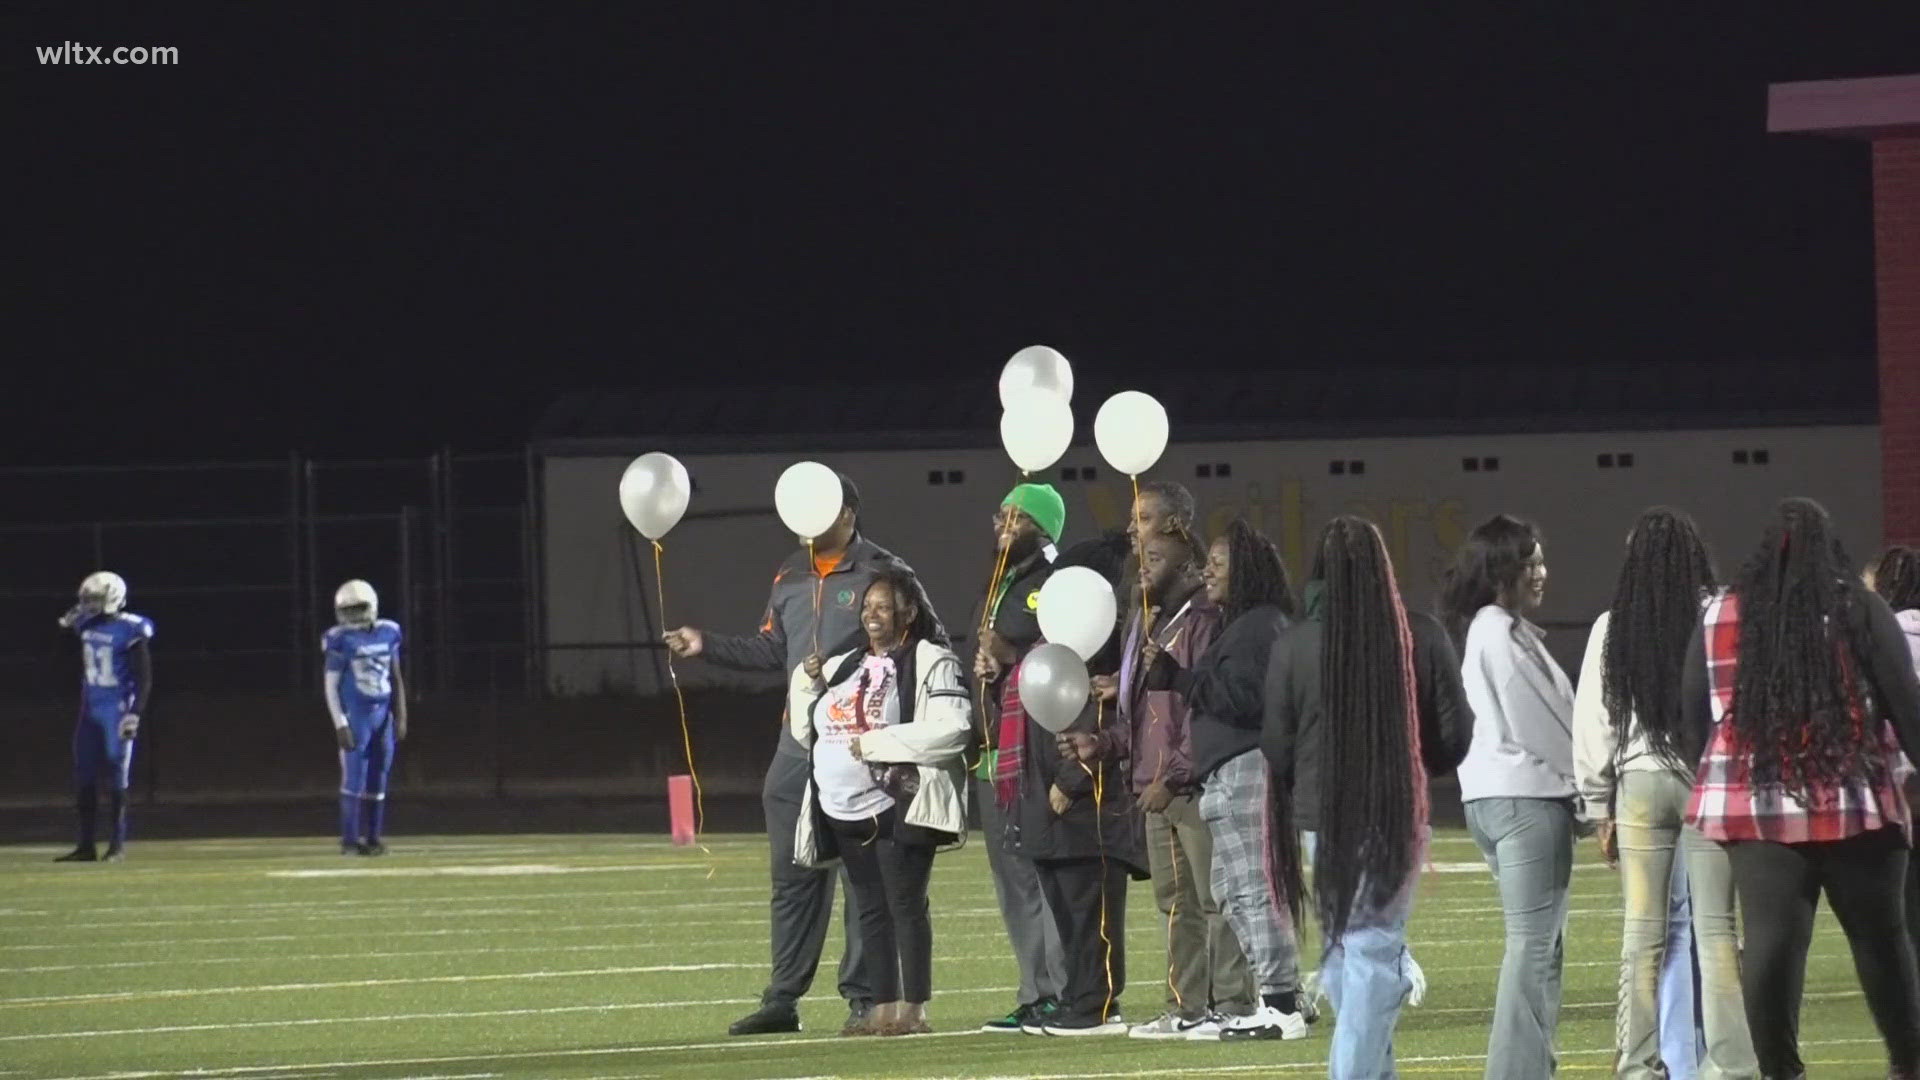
<point>356,234</point>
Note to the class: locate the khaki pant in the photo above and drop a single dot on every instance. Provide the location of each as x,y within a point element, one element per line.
<point>1205,968</point>
<point>1649,820</point>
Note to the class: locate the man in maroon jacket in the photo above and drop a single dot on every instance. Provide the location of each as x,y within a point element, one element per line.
<point>1207,975</point>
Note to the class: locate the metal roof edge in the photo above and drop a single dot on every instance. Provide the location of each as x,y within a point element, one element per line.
<point>987,439</point>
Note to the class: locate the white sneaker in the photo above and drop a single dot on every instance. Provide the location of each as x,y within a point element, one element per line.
<point>1419,980</point>
<point>1167,1026</point>
<point>1207,1030</point>
<point>1267,1022</point>
<point>1113,1026</point>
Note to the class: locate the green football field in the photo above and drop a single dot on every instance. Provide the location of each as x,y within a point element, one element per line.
<point>596,956</point>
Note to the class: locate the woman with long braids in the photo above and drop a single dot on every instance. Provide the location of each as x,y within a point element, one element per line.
<point>1635,781</point>
<point>1256,865</point>
<point>1363,701</point>
<point>1895,575</point>
<point>1801,690</point>
<point>1517,780</point>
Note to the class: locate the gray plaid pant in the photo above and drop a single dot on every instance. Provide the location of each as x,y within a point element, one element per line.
<point>1236,802</point>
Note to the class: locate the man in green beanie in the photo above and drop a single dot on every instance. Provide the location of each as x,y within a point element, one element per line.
<point>1006,624</point>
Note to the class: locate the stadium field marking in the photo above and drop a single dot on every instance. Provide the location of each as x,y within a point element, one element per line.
<point>477,870</point>
<point>114,965</point>
<point>344,984</point>
<point>611,948</point>
<point>1200,1070</point>
<point>361,906</point>
<point>359,903</point>
<point>517,1055</point>
<point>1459,917</point>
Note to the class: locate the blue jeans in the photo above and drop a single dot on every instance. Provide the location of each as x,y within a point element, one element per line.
<point>1528,844</point>
<point>1682,1044</point>
<point>1364,975</point>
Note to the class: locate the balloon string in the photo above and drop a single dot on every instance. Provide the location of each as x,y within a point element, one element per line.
<point>686,733</point>
<point>1099,786</point>
<point>988,617</point>
<point>819,586</point>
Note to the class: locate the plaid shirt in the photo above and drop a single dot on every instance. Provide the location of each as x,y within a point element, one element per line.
<point>1727,807</point>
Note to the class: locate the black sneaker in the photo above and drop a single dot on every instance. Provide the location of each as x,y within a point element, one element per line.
<point>79,854</point>
<point>1071,1026</point>
<point>767,1020</point>
<point>353,849</point>
<point>116,853</point>
<point>373,847</point>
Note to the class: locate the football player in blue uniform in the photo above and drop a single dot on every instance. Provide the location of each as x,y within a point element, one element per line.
<point>368,701</point>
<point>117,677</point>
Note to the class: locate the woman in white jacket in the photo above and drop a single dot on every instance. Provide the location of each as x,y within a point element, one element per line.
<point>1517,780</point>
<point>1635,782</point>
<point>886,727</point>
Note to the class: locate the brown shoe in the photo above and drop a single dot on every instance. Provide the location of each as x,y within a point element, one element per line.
<point>906,1027</point>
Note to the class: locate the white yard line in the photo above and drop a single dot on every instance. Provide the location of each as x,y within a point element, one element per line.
<point>361,902</point>
<point>344,984</point>
<point>749,1044</point>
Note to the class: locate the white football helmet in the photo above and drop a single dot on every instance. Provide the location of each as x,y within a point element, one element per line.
<point>103,593</point>
<point>356,604</point>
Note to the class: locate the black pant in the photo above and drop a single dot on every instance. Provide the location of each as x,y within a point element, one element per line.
<point>888,880</point>
<point>1095,949</point>
<point>802,896</point>
<point>1913,902</point>
<point>1865,879</point>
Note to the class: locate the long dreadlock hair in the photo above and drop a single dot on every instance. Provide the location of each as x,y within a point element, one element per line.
<point>1373,792</point>
<point>1489,563</point>
<point>1796,697</point>
<point>1656,608</point>
<point>1255,573</point>
<point>1255,576</point>
<point>1896,577</point>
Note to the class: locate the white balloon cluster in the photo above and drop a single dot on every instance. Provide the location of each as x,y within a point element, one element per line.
<point>1077,609</point>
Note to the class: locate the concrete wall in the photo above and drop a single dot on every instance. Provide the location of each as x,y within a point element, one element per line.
<point>718,569</point>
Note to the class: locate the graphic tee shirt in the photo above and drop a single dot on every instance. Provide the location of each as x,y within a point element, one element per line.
<point>868,699</point>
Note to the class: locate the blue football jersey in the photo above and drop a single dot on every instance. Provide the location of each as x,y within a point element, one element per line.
<point>365,657</point>
<point>107,673</point>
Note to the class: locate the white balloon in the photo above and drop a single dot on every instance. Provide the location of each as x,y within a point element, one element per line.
<point>808,497</point>
<point>1036,367</point>
<point>1036,429</point>
<point>1131,431</point>
<point>654,492</point>
<point>1077,609</point>
<point>1054,686</point>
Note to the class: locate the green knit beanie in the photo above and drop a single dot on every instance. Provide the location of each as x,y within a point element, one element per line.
<point>1043,504</point>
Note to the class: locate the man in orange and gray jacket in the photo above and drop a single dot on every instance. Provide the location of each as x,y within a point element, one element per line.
<point>1207,975</point>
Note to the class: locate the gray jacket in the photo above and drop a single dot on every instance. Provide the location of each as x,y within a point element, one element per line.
<point>787,637</point>
<point>1522,713</point>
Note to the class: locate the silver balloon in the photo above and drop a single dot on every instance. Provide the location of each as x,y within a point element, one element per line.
<point>1054,686</point>
<point>1035,368</point>
<point>654,493</point>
